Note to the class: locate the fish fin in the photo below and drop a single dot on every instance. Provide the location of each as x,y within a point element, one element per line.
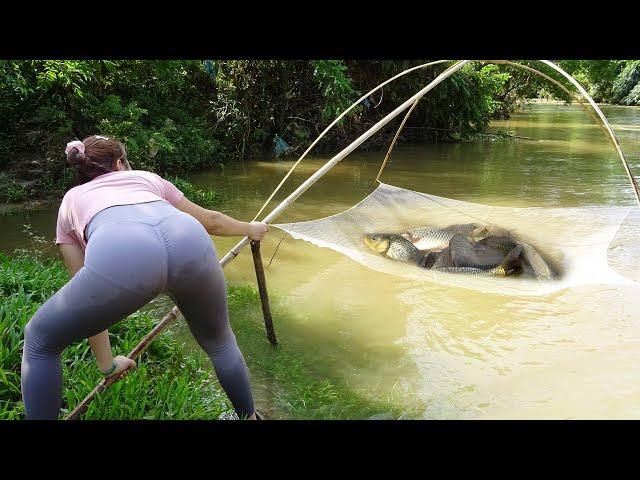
<point>427,260</point>
<point>465,253</point>
<point>511,262</point>
<point>461,250</point>
<point>533,259</point>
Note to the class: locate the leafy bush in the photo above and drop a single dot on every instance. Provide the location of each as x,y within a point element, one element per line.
<point>625,89</point>
<point>204,198</point>
<point>335,85</point>
<point>633,97</point>
<point>12,191</point>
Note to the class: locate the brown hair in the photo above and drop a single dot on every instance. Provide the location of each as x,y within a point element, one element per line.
<point>99,157</point>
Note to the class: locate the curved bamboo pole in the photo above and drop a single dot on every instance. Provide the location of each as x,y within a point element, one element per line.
<point>554,81</point>
<point>497,62</point>
<point>233,253</point>
<point>395,138</point>
<point>611,135</point>
<point>332,124</point>
<point>600,120</point>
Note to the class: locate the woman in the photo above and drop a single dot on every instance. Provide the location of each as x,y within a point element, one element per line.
<point>126,236</point>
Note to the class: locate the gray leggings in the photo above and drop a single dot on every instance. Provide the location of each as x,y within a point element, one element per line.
<point>134,252</point>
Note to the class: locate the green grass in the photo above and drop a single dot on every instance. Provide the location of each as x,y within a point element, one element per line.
<point>174,379</point>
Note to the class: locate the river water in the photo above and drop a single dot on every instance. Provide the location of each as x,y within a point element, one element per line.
<point>447,352</point>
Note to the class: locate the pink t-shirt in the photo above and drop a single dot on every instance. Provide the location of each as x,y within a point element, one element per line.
<point>82,203</point>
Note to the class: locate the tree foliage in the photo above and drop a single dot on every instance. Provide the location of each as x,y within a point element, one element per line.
<point>599,77</point>
<point>626,87</point>
<point>175,116</point>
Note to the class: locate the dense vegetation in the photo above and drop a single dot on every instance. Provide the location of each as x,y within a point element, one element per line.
<point>177,116</point>
<point>608,81</point>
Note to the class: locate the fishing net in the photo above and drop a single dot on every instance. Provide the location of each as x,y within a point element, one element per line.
<point>575,241</point>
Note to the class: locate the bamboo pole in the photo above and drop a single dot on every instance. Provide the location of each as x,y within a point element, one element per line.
<point>264,297</point>
<point>395,138</point>
<point>135,353</point>
<point>614,139</point>
<point>336,120</point>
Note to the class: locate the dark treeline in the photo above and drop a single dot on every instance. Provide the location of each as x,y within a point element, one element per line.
<point>177,116</point>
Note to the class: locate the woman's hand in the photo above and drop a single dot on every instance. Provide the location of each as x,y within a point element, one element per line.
<point>257,231</point>
<point>122,363</point>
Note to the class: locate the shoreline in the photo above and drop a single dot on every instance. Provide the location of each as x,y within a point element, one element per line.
<point>181,378</point>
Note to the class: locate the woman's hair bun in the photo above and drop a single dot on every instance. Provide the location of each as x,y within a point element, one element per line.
<point>94,156</point>
<point>75,157</point>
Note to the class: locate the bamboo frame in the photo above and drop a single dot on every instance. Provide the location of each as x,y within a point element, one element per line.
<point>600,119</point>
<point>411,102</point>
<point>337,119</point>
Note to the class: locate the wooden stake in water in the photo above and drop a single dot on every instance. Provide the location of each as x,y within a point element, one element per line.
<point>264,297</point>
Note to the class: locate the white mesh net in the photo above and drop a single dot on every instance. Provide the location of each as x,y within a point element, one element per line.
<point>575,241</point>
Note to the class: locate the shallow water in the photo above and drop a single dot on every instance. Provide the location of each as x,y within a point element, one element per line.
<point>449,352</point>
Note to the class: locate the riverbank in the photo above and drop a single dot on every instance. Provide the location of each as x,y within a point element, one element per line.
<point>203,197</point>
<point>17,195</point>
<point>172,380</point>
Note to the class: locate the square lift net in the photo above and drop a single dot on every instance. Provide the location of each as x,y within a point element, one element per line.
<point>584,245</point>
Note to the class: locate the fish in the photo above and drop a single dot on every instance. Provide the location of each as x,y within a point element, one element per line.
<point>502,244</point>
<point>540,268</point>
<point>430,237</point>
<point>492,256</point>
<point>461,252</point>
<point>533,263</point>
<point>393,246</point>
<point>509,266</point>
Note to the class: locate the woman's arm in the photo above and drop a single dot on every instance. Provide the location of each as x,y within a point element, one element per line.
<point>73,257</point>
<point>219,224</point>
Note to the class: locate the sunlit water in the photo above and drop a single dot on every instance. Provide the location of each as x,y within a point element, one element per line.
<point>450,352</point>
